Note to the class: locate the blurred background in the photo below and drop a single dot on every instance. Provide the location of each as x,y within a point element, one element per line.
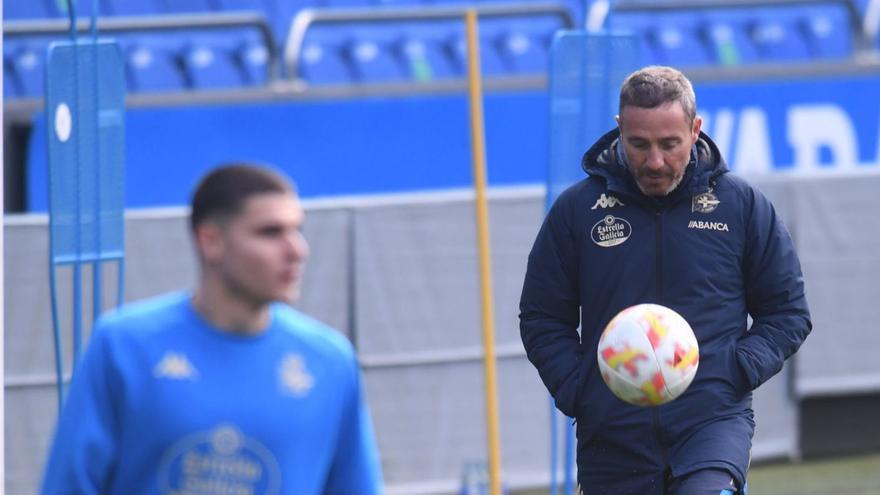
<point>364,104</point>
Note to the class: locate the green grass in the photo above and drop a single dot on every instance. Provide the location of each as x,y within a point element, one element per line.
<point>857,475</point>
<point>838,476</point>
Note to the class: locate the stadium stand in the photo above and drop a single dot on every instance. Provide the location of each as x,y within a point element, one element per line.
<point>689,33</point>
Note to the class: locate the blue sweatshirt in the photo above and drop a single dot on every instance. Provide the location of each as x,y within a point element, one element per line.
<point>162,402</point>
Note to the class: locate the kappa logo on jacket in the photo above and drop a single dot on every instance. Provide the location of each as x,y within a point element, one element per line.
<point>607,202</point>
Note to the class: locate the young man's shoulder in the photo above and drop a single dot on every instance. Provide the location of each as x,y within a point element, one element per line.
<point>312,332</point>
<point>154,312</point>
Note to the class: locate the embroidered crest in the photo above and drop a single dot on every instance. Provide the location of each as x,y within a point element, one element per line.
<point>295,377</point>
<point>705,202</point>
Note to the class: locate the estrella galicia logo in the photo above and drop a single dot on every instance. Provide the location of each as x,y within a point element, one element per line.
<point>221,460</point>
<point>610,231</point>
<point>705,202</point>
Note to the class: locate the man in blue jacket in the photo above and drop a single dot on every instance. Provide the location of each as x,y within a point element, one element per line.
<point>224,389</point>
<point>693,237</point>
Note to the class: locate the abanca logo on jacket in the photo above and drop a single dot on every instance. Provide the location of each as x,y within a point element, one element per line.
<point>717,226</point>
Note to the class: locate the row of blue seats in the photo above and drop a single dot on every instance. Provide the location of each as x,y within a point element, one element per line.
<point>279,13</point>
<point>424,52</point>
<point>174,63</point>
<point>152,63</point>
<point>730,37</point>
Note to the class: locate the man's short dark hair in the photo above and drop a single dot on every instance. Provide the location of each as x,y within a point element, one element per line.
<point>657,85</point>
<point>222,193</point>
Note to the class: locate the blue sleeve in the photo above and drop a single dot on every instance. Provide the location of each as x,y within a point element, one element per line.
<point>775,296</point>
<point>355,467</point>
<point>549,309</point>
<point>81,458</point>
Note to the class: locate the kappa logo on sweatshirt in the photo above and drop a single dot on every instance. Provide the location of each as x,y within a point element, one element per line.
<point>175,366</point>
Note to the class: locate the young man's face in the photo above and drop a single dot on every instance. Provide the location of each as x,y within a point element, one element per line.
<point>657,143</point>
<point>260,252</point>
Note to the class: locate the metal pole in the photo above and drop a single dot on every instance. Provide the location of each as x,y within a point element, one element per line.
<point>475,94</point>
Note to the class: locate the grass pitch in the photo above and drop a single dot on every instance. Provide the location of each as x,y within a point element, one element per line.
<point>856,475</point>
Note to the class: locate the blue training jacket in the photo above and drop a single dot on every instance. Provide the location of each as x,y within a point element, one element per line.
<point>713,250</point>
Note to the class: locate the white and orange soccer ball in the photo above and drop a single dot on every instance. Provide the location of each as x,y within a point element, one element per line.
<point>648,355</point>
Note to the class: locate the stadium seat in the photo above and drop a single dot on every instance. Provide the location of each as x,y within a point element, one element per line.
<point>777,38</point>
<point>525,46</point>
<point>396,3</point>
<point>491,63</point>
<point>727,37</point>
<point>10,85</point>
<point>58,8</point>
<point>131,7</point>
<point>677,41</point>
<point>321,62</point>
<point>186,6</point>
<point>424,59</point>
<point>372,61</point>
<point>826,32</point>
<point>210,65</point>
<point>640,25</point>
<point>252,58</point>
<point>523,54</point>
<point>25,9</point>
<point>152,65</point>
<point>250,5</point>
<point>347,3</point>
<point>25,62</point>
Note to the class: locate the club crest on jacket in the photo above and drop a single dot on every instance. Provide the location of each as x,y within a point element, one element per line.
<point>705,202</point>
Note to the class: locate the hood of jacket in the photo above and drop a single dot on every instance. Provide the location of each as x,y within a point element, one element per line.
<point>705,166</point>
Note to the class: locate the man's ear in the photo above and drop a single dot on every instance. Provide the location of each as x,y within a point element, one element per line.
<point>209,240</point>
<point>698,124</point>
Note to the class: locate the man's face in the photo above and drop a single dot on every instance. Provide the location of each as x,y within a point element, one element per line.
<point>260,252</point>
<point>657,143</point>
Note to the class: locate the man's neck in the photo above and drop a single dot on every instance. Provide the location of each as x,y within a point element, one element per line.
<point>229,313</point>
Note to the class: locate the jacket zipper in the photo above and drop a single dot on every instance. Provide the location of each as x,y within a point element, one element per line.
<point>658,298</point>
<point>658,289</point>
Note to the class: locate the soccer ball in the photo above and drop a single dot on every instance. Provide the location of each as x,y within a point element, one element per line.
<point>648,355</point>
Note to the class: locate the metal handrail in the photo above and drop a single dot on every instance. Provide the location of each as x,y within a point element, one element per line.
<point>183,22</point>
<point>305,18</point>
<point>861,38</point>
